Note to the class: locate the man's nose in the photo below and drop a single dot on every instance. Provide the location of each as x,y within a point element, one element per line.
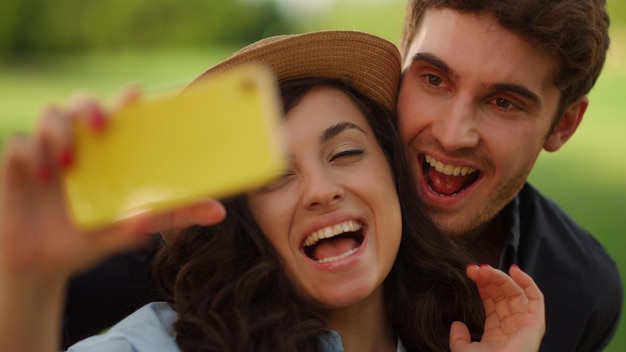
<point>455,128</point>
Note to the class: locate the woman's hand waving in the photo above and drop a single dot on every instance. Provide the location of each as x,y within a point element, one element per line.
<point>514,310</point>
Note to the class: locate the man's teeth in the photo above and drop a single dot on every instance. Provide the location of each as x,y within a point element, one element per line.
<point>332,231</point>
<point>449,170</point>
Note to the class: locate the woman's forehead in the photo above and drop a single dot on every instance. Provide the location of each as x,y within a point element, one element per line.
<point>323,112</point>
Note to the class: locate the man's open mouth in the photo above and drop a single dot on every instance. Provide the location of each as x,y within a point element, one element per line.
<point>446,179</point>
<point>334,242</point>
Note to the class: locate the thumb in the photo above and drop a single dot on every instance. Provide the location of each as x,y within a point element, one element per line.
<point>204,213</point>
<point>459,336</point>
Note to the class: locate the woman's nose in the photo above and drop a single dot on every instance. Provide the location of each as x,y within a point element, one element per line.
<point>320,190</point>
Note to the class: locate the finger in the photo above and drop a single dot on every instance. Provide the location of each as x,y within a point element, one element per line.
<point>459,336</point>
<point>486,275</point>
<point>204,213</point>
<point>500,294</point>
<point>19,171</point>
<point>491,317</point>
<point>473,272</point>
<point>509,297</point>
<point>22,162</point>
<point>128,96</point>
<point>54,131</point>
<point>89,111</point>
<point>122,236</point>
<point>90,247</point>
<point>530,288</point>
<point>484,283</point>
<point>496,292</point>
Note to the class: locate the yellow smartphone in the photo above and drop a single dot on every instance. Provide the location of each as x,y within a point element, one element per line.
<point>214,139</point>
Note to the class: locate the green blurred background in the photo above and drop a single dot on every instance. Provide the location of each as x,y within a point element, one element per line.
<point>50,49</point>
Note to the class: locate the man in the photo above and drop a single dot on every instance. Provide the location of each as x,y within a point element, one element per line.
<point>487,85</point>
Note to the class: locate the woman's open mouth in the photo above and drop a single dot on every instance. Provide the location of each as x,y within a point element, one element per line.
<point>334,242</point>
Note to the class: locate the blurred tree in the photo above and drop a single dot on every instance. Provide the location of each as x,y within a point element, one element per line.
<point>33,27</point>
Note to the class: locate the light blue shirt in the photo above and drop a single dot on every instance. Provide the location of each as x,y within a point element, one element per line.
<point>150,329</point>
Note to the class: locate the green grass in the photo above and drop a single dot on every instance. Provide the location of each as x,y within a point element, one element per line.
<point>28,86</point>
<point>587,177</point>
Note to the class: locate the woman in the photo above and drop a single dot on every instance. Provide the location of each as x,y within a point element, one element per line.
<point>333,255</point>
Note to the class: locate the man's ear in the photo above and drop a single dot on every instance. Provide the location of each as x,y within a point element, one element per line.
<point>569,122</point>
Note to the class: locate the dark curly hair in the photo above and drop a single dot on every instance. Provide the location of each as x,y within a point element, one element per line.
<point>231,293</point>
<point>574,33</point>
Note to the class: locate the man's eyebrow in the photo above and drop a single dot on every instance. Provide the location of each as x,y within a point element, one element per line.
<point>434,61</point>
<point>502,87</point>
<point>517,89</point>
<point>336,129</point>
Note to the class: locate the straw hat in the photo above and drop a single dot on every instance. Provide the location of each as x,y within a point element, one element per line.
<point>368,64</point>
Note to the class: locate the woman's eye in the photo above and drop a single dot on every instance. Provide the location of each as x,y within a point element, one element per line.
<point>283,176</point>
<point>346,153</point>
<point>276,183</point>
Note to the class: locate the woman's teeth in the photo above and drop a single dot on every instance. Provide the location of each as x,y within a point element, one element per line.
<point>332,231</point>
<point>346,254</point>
<point>334,242</point>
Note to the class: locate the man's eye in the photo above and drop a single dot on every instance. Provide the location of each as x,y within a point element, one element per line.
<point>505,104</point>
<point>433,80</point>
<point>346,153</point>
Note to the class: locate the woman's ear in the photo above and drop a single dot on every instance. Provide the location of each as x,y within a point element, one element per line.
<point>567,125</point>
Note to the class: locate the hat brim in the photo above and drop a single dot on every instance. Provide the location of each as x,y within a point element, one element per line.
<point>364,62</point>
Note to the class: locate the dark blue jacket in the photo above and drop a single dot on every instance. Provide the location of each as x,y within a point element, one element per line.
<point>580,282</point>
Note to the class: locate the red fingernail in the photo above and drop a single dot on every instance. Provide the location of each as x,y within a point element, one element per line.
<point>43,174</point>
<point>66,159</point>
<point>472,265</point>
<point>485,265</point>
<point>514,266</point>
<point>97,120</point>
